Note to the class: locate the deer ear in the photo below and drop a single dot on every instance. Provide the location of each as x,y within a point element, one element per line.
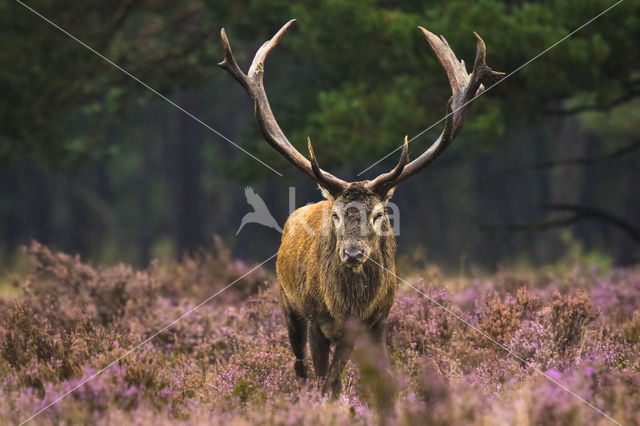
<point>325,193</point>
<point>386,197</point>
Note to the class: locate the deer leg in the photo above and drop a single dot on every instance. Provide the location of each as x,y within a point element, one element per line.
<point>333,384</point>
<point>378,334</point>
<point>381,383</point>
<point>319,349</point>
<point>297,328</point>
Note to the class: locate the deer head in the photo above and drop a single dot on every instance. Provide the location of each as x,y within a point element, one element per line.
<point>355,228</point>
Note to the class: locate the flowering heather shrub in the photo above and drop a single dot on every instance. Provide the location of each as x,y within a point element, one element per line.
<point>569,317</point>
<point>229,361</point>
<point>632,329</point>
<point>500,319</point>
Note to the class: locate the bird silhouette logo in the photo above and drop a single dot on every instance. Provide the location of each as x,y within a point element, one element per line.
<point>260,214</point>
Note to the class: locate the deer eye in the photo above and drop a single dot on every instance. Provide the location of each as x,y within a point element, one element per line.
<point>377,217</point>
<point>335,215</point>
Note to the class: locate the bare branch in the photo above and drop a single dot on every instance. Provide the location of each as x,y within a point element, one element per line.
<point>626,97</point>
<point>596,213</point>
<point>579,213</point>
<point>540,225</point>
<point>567,162</point>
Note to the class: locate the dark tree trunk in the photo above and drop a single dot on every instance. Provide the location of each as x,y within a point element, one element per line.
<point>148,140</point>
<point>187,178</point>
<point>11,204</point>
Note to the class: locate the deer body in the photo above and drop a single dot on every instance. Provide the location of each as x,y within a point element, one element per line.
<point>336,262</point>
<point>321,293</point>
<point>319,286</point>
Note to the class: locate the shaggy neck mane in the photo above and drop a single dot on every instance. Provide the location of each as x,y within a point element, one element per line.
<point>355,288</point>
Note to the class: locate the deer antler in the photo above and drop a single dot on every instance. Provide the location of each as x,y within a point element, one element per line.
<point>253,84</point>
<point>464,87</point>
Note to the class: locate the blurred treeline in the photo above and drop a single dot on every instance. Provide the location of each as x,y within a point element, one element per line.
<point>92,162</point>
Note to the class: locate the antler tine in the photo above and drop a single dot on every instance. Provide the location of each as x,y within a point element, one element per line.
<point>383,183</point>
<point>265,49</point>
<point>464,88</point>
<point>229,63</point>
<point>317,171</point>
<point>273,134</point>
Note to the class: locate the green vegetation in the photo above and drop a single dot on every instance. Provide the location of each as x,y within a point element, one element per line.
<point>93,162</point>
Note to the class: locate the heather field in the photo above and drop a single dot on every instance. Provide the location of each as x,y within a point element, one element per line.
<point>229,361</point>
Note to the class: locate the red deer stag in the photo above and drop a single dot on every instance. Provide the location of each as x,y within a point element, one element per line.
<point>332,259</point>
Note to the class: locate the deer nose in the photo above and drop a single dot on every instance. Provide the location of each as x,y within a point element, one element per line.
<point>353,256</point>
